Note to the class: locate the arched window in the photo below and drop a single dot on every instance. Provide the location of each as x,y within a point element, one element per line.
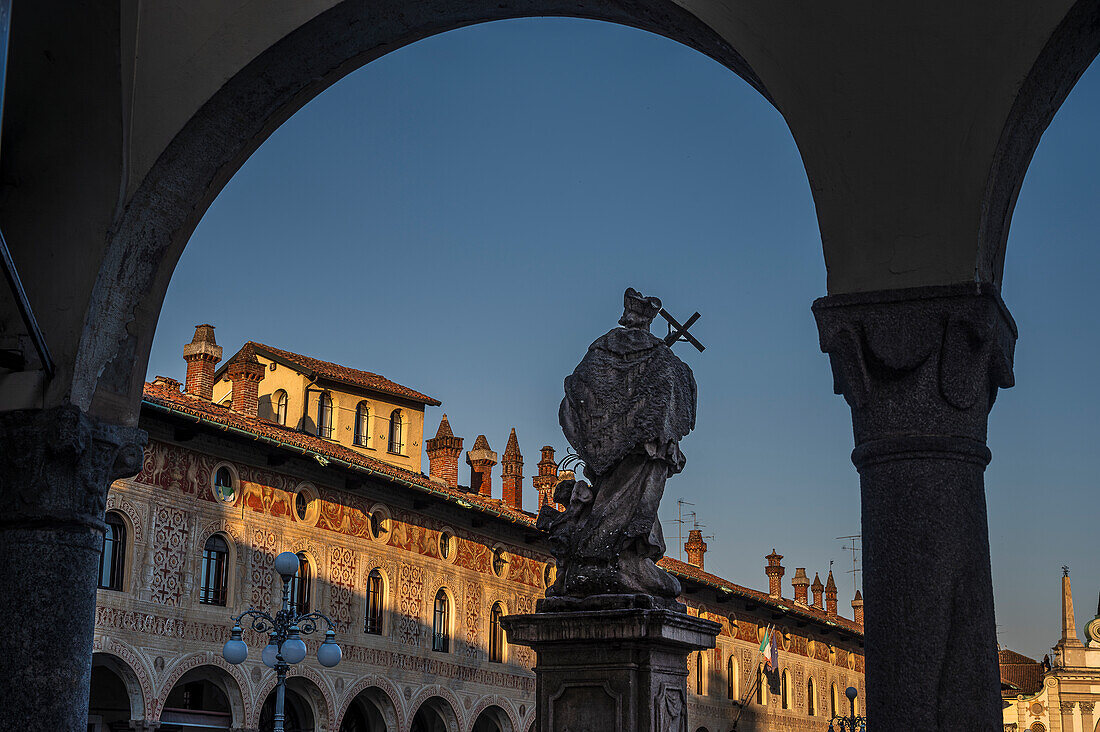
<point>761,686</point>
<point>397,444</point>
<point>362,424</point>
<point>441,622</point>
<point>300,585</point>
<point>700,674</point>
<point>811,697</point>
<point>324,416</point>
<point>785,689</point>
<point>374,603</point>
<point>496,634</point>
<point>113,558</point>
<point>733,683</point>
<point>834,701</point>
<point>280,406</point>
<point>215,571</point>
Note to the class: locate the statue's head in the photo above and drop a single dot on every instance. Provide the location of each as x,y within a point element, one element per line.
<point>638,310</point>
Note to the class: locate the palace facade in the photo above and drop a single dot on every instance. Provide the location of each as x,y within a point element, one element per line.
<point>275,451</point>
<point>1059,693</point>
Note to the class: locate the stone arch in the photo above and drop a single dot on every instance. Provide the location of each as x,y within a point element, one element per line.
<point>498,702</point>
<point>1067,54</point>
<point>450,709</point>
<point>307,682</point>
<point>382,692</point>
<point>154,226</point>
<point>131,671</point>
<point>135,518</point>
<point>229,677</point>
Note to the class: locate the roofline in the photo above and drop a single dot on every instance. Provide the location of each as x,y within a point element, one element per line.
<point>313,375</point>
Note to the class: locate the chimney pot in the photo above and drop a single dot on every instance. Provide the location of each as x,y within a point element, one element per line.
<point>774,570</point>
<point>443,451</point>
<point>512,473</point>
<point>801,584</point>
<point>481,460</point>
<point>695,548</point>
<point>547,478</point>
<point>202,355</point>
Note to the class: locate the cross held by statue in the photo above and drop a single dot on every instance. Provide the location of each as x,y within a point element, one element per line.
<point>677,332</point>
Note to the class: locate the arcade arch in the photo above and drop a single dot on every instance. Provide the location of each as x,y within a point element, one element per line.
<point>116,696</point>
<point>371,710</point>
<point>493,719</point>
<point>207,696</point>
<point>435,714</point>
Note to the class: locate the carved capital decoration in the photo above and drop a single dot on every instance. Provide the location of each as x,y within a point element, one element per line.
<point>1087,706</point>
<point>919,364</point>
<point>1067,707</point>
<point>57,464</point>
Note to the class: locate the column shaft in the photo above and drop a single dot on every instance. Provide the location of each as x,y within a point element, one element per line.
<point>920,370</point>
<point>55,467</point>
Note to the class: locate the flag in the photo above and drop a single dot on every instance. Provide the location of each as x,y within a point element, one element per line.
<point>766,646</point>
<point>774,660</point>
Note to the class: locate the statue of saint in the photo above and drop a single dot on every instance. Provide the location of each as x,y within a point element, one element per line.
<point>627,406</point>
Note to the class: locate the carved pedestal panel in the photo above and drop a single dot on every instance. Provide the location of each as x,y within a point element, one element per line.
<point>611,670</point>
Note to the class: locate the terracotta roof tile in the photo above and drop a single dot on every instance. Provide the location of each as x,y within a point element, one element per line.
<point>1019,674</point>
<point>336,372</point>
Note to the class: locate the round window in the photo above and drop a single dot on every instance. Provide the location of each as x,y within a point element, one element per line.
<point>379,522</point>
<point>446,545</point>
<point>307,507</point>
<point>225,488</point>
<point>500,562</point>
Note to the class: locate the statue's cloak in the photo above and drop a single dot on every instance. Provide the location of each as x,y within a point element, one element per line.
<point>630,389</point>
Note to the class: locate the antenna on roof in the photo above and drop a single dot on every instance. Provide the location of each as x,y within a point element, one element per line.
<point>853,545</point>
<point>681,518</point>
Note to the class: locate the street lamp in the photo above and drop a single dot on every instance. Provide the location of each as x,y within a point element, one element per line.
<point>851,723</point>
<point>285,646</point>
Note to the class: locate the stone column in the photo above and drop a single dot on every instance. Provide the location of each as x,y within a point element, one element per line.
<point>613,670</point>
<point>55,467</point>
<point>920,369</point>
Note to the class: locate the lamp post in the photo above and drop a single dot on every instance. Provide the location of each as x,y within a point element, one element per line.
<point>851,723</point>
<point>285,646</point>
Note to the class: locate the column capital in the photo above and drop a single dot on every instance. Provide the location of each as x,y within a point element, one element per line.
<point>929,358</point>
<point>57,464</point>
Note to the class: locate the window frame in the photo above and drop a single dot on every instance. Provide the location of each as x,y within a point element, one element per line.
<point>496,633</point>
<point>811,696</point>
<point>325,416</point>
<point>395,445</point>
<point>733,680</point>
<point>214,572</point>
<point>117,567</point>
<point>375,603</point>
<point>282,403</point>
<point>301,585</point>
<point>441,621</point>
<point>361,436</point>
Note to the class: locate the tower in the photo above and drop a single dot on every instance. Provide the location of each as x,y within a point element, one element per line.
<point>695,548</point>
<point>481,461</point>
<point>246,372</point>
<point>443,451</point>
<point>774,570</point>
<point>547,477</point>
<point>202,355</point>
<point>512,473</point>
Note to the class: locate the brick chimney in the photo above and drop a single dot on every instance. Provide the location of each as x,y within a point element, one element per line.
<point>695,548</point>
<point>512,473</point>
<point>830,596</point>
<point>817,588</point>
<point>481,461</point>
<point>202,355</point>
<point>801,584</point>
<point>857,608</point>
<point>246,372</point>
<point>774,570</point>
<point>547,477</point>
<point>443,451</point>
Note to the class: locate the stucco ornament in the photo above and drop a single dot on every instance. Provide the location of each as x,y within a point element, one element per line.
<point>627,406</point>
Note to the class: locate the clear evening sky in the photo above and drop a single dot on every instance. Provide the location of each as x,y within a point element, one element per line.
<point>464,214</point>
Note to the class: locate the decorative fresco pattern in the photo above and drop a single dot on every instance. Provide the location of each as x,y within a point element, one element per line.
<point>342,574</point>
<point>169,539</point>
<point>410,587</point>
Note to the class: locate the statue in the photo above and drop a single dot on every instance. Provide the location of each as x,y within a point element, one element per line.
<point>627,405</point>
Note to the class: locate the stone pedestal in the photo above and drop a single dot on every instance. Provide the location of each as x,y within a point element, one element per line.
<point>920,369</point>
<point>617,670</point>
<point>55,468</point>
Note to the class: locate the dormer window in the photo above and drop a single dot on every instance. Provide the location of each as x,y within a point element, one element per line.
<point>280,405</point>
<point>397,439</point>
<point>324,416</point>
<point>362,424</point>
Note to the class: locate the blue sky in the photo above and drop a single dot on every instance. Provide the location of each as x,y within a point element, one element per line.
<point>464,214</point>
